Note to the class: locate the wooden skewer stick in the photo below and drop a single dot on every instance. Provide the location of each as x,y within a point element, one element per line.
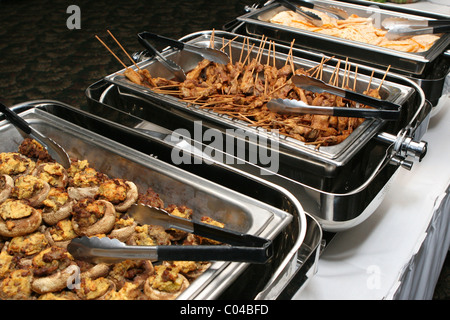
<point>289,53</point>
<point>262,49</point>
<point>317,65</point>
<point>336,79</point>
<point>317,71</point>
<point>268,53</point>
<point>248,54</point>
<point>104,44</point>
<point>123,49</point>
<point>273,54</point>
<point>242,50</point>
<point>354,78</point>
<point>382,80</point>
<point>211,39</point>
<point>370,81</point>
<point>345,73</point>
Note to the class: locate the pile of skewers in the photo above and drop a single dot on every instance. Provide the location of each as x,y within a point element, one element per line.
<point>241,89</point>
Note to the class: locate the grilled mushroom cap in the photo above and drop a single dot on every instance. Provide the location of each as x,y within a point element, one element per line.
<point>57,206</point>
<point>90,217</point>
<point>52,270</point>
<point>6,185</point>
<point>165,284</point>
<point>121,193</point>
<point>135,271</point>
<point>190,269</point>
<point>53,173</point>
<point>123,229</point>
<point>95,289</point>
<point>31,188</point>
<point>15,164</point>
<point>132,196</point>
<point>17,218</point>
<point>60,234</point>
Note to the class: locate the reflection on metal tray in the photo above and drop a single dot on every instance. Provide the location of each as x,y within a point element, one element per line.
<point>273,213</point>
<point>393,92</point>
<point>335,212</point>
<point>339,185</point>
<point>257,24</point>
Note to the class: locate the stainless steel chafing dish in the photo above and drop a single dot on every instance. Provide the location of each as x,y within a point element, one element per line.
<point>273,213</point>
<point>339,185</point>
<point>427,68</point>
<point>258,24</point>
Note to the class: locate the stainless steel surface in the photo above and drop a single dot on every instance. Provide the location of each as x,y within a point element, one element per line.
<point>391,92</point>
<point>287,226</point>
<point>339,185</point>
<point>257,24</point>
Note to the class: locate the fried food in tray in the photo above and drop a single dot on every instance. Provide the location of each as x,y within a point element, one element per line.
<point>242,88</point>
<point>34,261</point>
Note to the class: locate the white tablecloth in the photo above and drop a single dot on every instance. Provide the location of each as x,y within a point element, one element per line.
<point>398,252</point>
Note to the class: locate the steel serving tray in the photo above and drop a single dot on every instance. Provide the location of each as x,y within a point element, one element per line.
<point>339,185</point>
<point>257,24</point>
<point>393,92</point>
<point>271,212</point>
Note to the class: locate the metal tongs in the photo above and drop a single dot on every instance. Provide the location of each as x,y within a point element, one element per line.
<point>384,109</point>
<point>332,11</point>
<point>207,53</point>
<point>399,28</point>
<point>311,17</point>
<point>170,65</point>
<point>210,54</point>
<point>236,246</point>
<point>54,149</point>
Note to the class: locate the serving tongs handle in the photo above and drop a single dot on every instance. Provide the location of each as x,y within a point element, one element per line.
<point>400,32</point>
<point>174,68</point>
<point>316,85</point>
<point>338,13</point>
<point>287,106</point>
<point>156,216</point>
<point>54,149</point>
<point>211,54</point>
<point>107,250</point>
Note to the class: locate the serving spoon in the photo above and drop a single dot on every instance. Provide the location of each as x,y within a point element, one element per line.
<point>54,149</point>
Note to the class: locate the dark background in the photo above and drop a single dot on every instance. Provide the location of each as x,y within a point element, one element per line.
<point>40,58</point>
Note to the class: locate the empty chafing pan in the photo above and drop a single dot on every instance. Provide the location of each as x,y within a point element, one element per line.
<point>271,212</point>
